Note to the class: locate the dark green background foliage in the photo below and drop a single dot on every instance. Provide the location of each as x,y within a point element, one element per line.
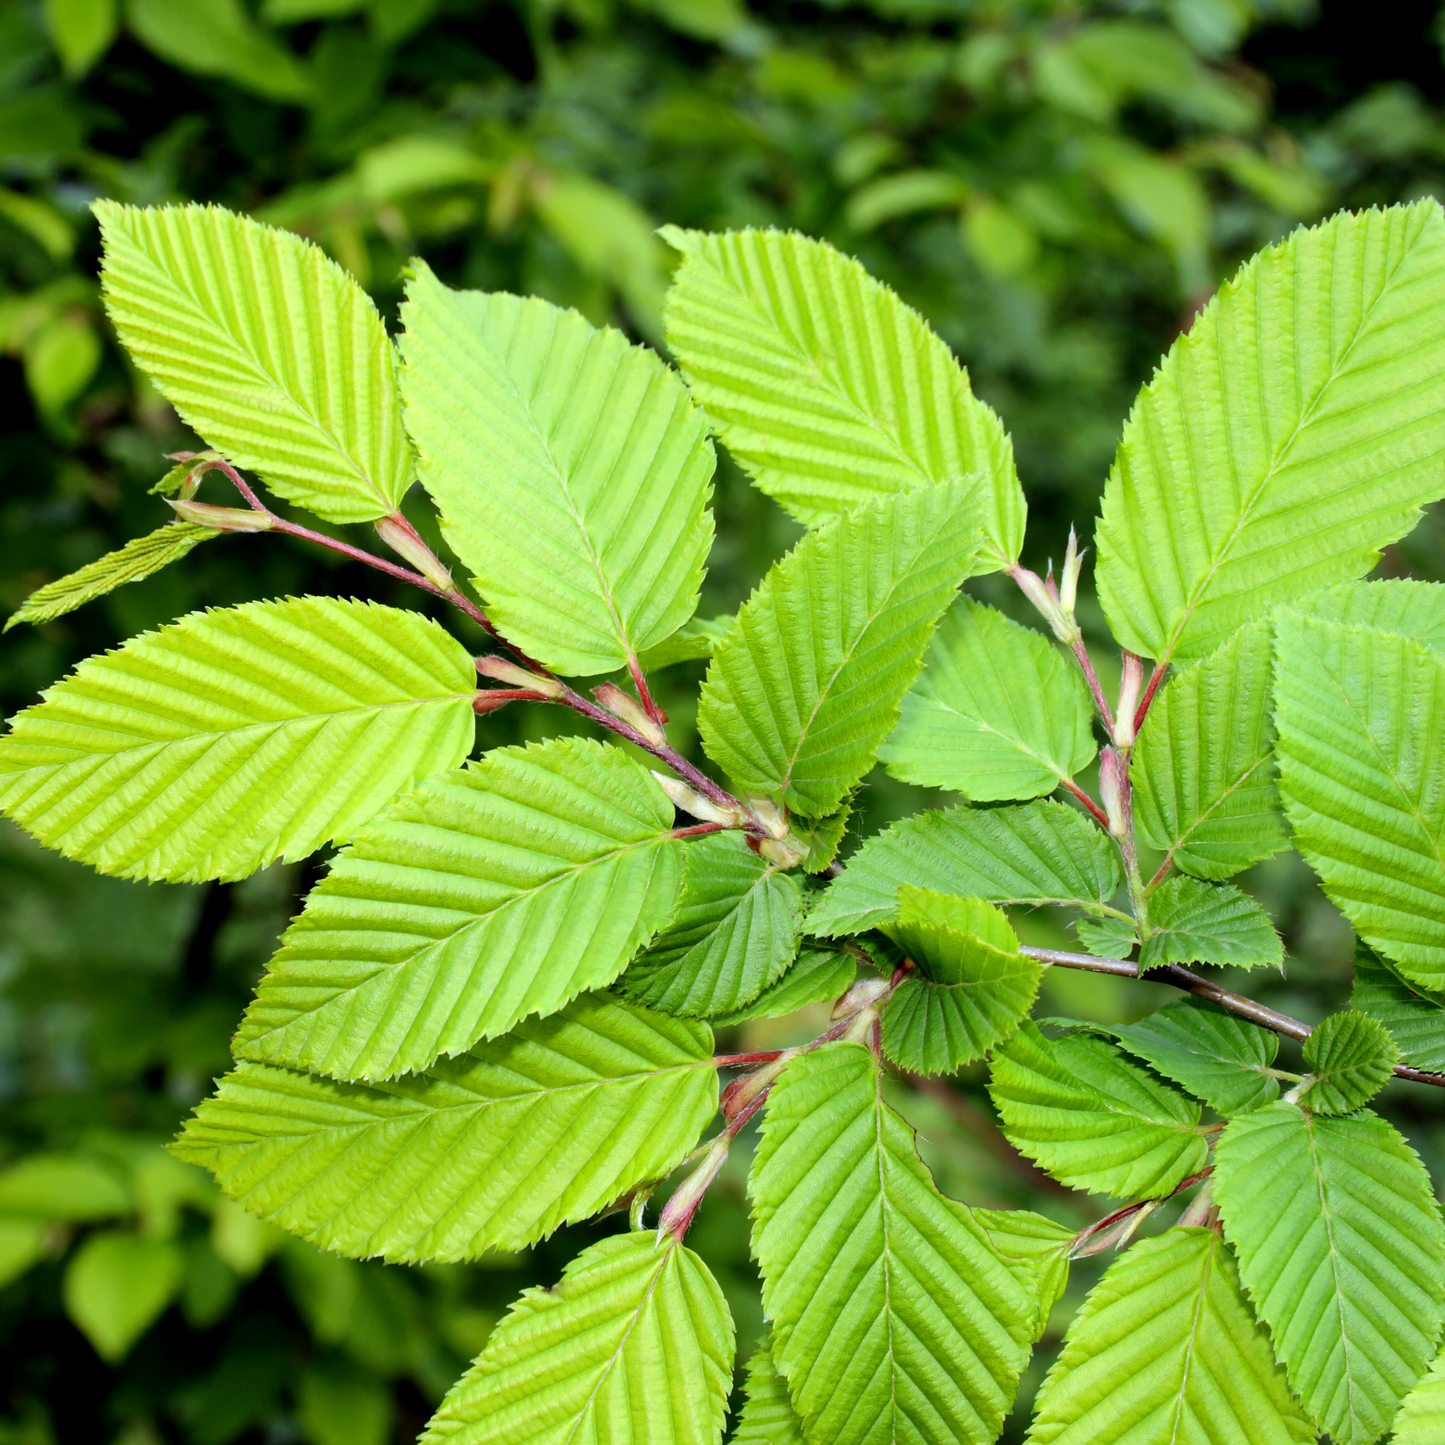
<point>1055,185</point>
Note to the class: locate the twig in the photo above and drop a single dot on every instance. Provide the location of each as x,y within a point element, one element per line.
<point>1155,678</point>
<point>1098,814</point>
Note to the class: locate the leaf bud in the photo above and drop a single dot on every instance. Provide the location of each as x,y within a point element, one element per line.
<point>499,669</point>
<point>1069,577</point>
<point>223,519</point>
<point>678,1212</point>
<point>1114,790</point>
<point>785,852</point>
<point>1129,687</point>
<point>1046,600</point>
<point>401,537</point>
<point>864,994</point>
<point>693,802</point>
<point>630,711</point>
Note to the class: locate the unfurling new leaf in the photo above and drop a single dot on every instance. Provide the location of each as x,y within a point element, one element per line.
<point>1194,922</point>
<point>1351,1057</point>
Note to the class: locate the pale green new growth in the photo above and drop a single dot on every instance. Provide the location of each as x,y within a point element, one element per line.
<point>570,469</point>
<point>824,385</point>
<point>806,684</point>
<point>1421,1420</point>
<point>1350,1057</point>
<point>998,712</point>
<point>768,1418</point>
<point>490,1150</point>
<point>1209,923</point>
<point>1414,1016</point>
<point>482,897</point>
<point>1036,1249</point>
<point>232,738</point>
<point>266,347</point>
<point>1341,1248</point>
<point>819,975</point>
<point>1289,435</point>
<point>633,1347</point>
<point>692,642</point>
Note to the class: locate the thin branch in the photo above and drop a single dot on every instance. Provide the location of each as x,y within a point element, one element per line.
<point>644,695</point>
<point>1155,678</point>
<point>1098,814</point>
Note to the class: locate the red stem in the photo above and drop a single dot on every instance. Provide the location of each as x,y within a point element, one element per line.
<point>733,1061</point>
<point>1100,816</point>
<point>698,830</point>
<point>1092,678</point>
<point>644,696</point>
<point>1155,678</point>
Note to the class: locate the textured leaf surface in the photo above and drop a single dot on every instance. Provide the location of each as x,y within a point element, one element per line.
<point>998,712</point>
<point>479,898</point>
<point>768,1417</point>
<point>1164,1351</point>
<point>1414,1016</point>
<point>212,747</point>
<point>893,1318</point>
<point>1036,1249</point>
<point>633,1347</point>
<point>1342,1251</point>
<point>807,682</point>
<point>1413,609</point>
<point>570,468</point>
<point>972,985</point>
<point>1092,1119</point>
<point>1351,1058</point>
<point>1203,768</point>
<point>1421,1420</point>
<point>1042,852</point>
<point>490,1150</point>
<point>736,929</point>
<point>1361,716</point>
<point>1209,923</point>
<point>1287,437</point>
<point>266,347</point>
<point>692,642</point>
<point>824,385</point>
<point>819,975</point>
<point>139,558</point>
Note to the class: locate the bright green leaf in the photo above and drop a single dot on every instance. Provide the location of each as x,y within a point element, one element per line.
<point>1036,1249</point>
<point>63,1186</point>
<point>1413,609</point>
<point>1351,1057</point>
<point>819,975</point>
<point>692,642</point>
<point>1421,1420</point>
<point>1107,937</point>
<point>768,1417</point>
<point>1194,922</point>
<point>23,1243</point>
<point>82,30</point>
<point>1414,1016</point>
<point>116,1286</point>
<point>219,38</point>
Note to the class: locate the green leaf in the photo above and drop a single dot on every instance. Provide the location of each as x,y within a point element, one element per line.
<point>824,385</point>
<point>1342,1251</point>
<point>1092,1119</point>
<point>1164,1351</point>
<point>116,1286</point>
<point>219,38</point>
<point>807,682</point>
<point>1037,1250</point>
<point>893,1318</point>
<point>819,975</point>
<point>341,1402</point>
<point>266,347</point>
<point>490,1150</point>
<point>633,1347</point>
<point>68,1187</point>
<point>1351,1057</point>
<point>479,898</point>
<point>692,642</point>
<point>139,558</point>
<point>999,711</point>
<point>570,467</point>
<point>1421,1420</point>
<point>768,1417</point>
<point>1194,922</point>
<point>1216,1056</point>
<point>1288,422</point>
<point>23,1242</point>
<point>1361,717</point>
<point>1039,853</point>
<point>1414,1016</point>
<point>1413,609</point>
<point>1203,768</point>
<point>823,837</point>
<point>735,931</point>
<point>972,985</point>
<point>232,738</point>
<point>82,30</point>
<point>1107,937</point>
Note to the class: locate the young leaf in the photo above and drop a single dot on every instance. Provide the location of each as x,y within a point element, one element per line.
<point>998,712</point>
<point>1107,937</point>
<point>1196,922</point>
<point>479,898</point>
<point>1421,1420</point>
<point>735,931</point>
<point>490,1150</point>
<point>117,1285</point>
<point>1413,609</point>
<point>1092,1119</point>
<point>1361,717</point>
<point>1342,1251</point>
<point>1036,1249</point>
<point>1287,437</point>
<point>971,988</point>
<point>819,975</point>
<point>1203,768</point>
<point>1039,853</point>
<point>214,746</point>
<point>1414,1016</point>
<point>633,1347</point>
<point>768,1418</point>
<point>692,642</point>
<point>266,347</point>
<point>139,558</point>
<point>823,837</point>
<point>806,684</point>
<point>1165,1351</point>
<point>1216,1056</point>
<point>824,385</point>
<point>1351,1058</point>
<point>571,470</point>
<point>867,1265</point>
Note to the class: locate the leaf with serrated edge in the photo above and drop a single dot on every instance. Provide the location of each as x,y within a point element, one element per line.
<point>1043,852</point>
<point>1036,1249</point>
<point>736,929</point>
<point>1350,1057</point>
<point>1414,1016</point>
<point>1413,609</point>
<point>998,711</point>
<point>1164,1351</point>
<point>1341,1249</point>
<point>693,642</point>
<point>1421,1420</point>
<point>824,385</point>
<point>1361,718</point>
<point>807,682</point>
<point>893,1318</point>
<point>1092,1119</point>
<point>570,467</point>
<point>490,1150</point>
<point>1196,922</point>
<point>1287,437</point>
<point>633,1347</point>
<point>819,975</point>
<point>768,1417</point>
<point>224,741</point>
<point>479,898</point>
<point>266,347</point>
